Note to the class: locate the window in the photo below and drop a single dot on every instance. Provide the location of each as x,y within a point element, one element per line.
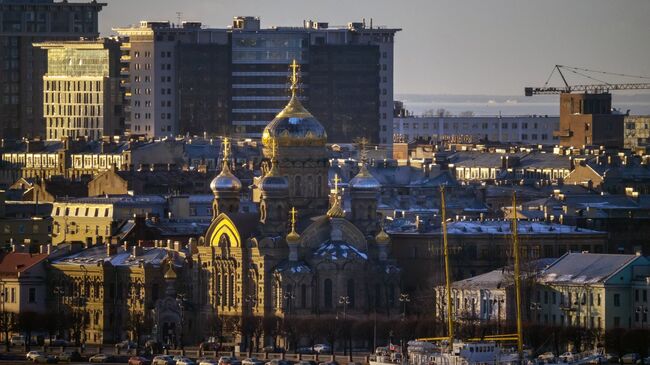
<point>32,295</point>
<point>617,300</point>
<point>327,293</point>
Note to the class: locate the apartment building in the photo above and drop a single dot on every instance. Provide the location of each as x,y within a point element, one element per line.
<point>24,22</point>
<point>531,130</point>
<point>192,80</point>
<point>81,89</point>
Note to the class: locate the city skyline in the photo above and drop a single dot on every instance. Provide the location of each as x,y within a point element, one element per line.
<point>592,34</point>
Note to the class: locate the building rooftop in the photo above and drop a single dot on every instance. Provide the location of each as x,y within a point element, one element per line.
<point>99,255</point>
<point>13,263</point>
<point>586,268</point>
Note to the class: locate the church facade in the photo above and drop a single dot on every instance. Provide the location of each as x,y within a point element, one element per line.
<point>301,254</point>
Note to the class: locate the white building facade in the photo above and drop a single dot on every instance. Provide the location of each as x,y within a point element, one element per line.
<point>533,130</point>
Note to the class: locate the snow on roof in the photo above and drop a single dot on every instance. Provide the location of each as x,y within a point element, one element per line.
<point>294,267</point>
<point>98,254</point>
<point>500,227</point>
<point>339,250</point>
<point>585,268</point>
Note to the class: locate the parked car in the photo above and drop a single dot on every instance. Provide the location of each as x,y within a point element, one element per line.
<point>139,360</point>
<point>210,346</point>
<point>568,357</point>
<point>69,356</point>
<point>597,360</point>
<point>17,340</point>
<point>125,345</point>
<point>59,342</point>
<point>613,359</point>
<point>274,350</point>
<point>252,361</point>
<point>630,358</point>
<point>32,354</point>
<point>100,358</point>
<point>546,357</point>
<point>279,362</point>
<point>228,360</point>
<point>207,361</point>
<point>322,348</point>
<point>305,350</point>
<point>329,363</point>
<point>163,360</point>
<point>185,361</point>
<point>44,359</point>
<point>307,362</point>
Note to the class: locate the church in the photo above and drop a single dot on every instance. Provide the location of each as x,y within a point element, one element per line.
<point>301,254</point>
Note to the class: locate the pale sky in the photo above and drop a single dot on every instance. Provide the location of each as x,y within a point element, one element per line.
<point>493,47</point>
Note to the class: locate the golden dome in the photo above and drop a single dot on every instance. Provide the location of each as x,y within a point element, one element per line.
<point>294,125</point>
<point>382,238</point>
<point>293,237</point>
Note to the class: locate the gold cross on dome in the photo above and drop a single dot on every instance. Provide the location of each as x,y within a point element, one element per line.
<point>294,76</point>
<point>337,180</point>
<point>293,218</point>
<point>226,148</point>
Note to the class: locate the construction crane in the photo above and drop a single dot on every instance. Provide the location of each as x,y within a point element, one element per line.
<point>601,87</point>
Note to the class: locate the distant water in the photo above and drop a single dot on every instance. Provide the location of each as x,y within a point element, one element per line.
<point>638,104</point>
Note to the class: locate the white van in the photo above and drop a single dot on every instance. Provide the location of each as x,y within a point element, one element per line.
<point>17,340</point>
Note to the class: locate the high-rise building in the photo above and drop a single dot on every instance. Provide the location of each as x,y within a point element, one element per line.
<point>171,68</point>
<point>188,79</point>
<point>81,89</point>
<point>22,23</point>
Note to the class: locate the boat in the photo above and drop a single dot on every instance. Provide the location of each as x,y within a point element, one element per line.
<point>488,350</point>
<point>389,355</point>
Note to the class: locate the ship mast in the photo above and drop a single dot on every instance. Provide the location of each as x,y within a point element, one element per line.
<point>450,320</point>
<point>515,243</point>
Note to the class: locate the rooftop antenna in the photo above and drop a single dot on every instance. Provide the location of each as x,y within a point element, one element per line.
<point>179,16</point>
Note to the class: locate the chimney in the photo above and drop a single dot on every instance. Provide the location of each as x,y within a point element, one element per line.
<point>177,246</point>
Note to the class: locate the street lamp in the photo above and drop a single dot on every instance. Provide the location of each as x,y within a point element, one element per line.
<point>289,297</point>
<point>404,298</point>
<point>58,291</point>
<point>344,300</point>
<point>643,311</point>
<point>181,299</point>
<point>536,307</point>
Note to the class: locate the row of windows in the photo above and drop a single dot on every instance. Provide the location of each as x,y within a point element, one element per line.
<point>85,122</point>
<point>466,125</point>
<point>73,110</point>
<point>85,86</point>
<point>73,97</point>
<point>96,212</point>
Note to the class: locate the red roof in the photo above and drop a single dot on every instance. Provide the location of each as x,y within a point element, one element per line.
<point>16,262</point>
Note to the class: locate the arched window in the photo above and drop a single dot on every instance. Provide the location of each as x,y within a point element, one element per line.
<point>297,188</point>
<point>231,291</point>
<point>319,186</point>
<point>327,294</point>
<point>310,186</point>
<point>351,292</point>
<point>217,289</point>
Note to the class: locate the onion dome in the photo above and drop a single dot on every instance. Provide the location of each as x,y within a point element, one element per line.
<point>364,180</point>
<point>293,237</point>
<point>295,125</point>
<point>382,238</point>
<point>225,181</point>
<point>273,181</point>
<point>170,274</point>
